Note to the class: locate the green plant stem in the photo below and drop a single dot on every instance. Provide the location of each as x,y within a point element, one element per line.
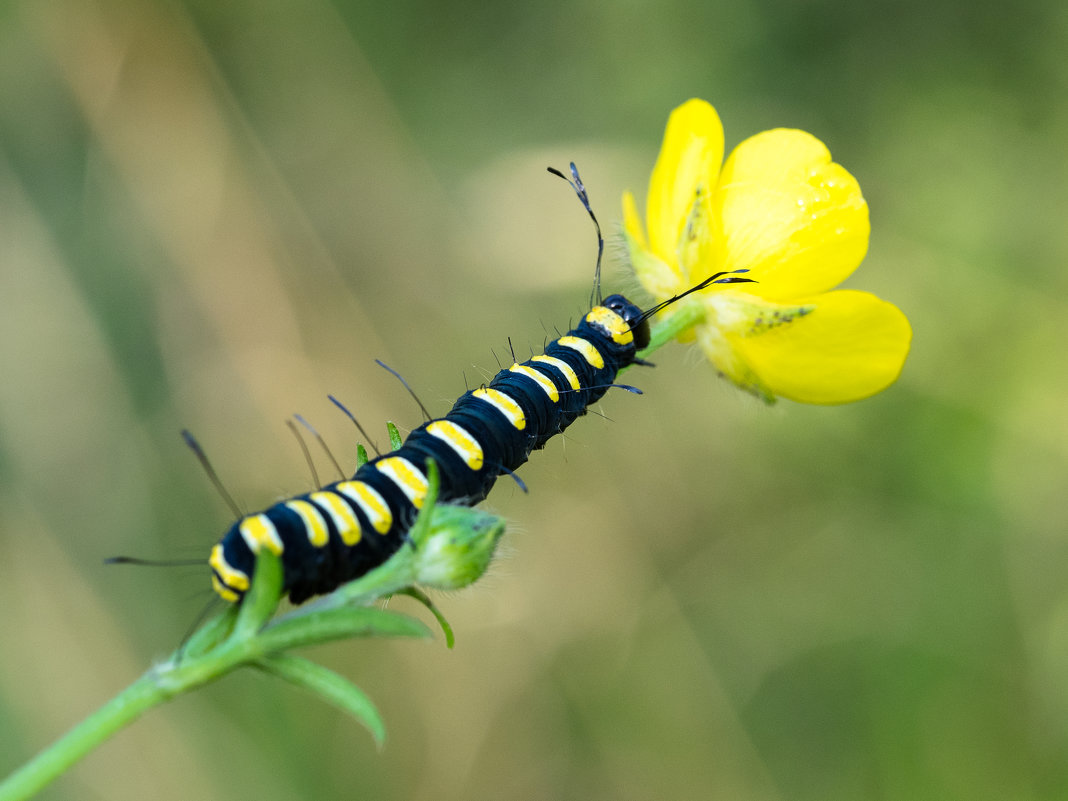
<point>248,642</point>
<point>685,316</point>
<point>154,687</point>
<point>123,709</point>
<point>159,684</point>
<point>175,677</point>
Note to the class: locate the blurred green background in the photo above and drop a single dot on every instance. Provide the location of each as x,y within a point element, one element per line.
<point>213,214</point>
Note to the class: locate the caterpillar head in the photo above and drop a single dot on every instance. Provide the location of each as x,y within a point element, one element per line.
<point>633,316</point>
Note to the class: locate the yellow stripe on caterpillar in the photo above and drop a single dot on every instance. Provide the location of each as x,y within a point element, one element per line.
<point>233,578</point>
<point>503,404</point>
<point>371,503</point>
<point>348,527</point>
<point>258,531</point>
<point>544,383</point>
<point>589,352</point>
<point>314,524</point>
<point>562,366</point>
<point>224,592</point>
<point>460,440</point>
<point>406,476</point>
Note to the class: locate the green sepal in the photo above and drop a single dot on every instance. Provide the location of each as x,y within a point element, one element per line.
<point>361,456</point>
<point>328,685</point>
<point>420,529</point>
<point>395,440</point>
<point>211,633</point>
<point>425,600</point>
<point>263,596</point>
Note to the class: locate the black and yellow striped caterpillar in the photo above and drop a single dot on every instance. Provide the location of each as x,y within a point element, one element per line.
<point>343,530</point>
<point>328,537</point>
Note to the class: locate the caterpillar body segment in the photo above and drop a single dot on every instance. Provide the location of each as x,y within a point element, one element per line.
<point>345,529</point>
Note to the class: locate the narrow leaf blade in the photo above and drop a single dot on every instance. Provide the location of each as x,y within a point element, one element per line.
<point>330,686</point>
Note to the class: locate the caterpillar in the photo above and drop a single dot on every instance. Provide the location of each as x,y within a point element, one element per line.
<point>343,530</point>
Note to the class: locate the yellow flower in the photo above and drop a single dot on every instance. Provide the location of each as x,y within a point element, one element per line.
<point>796,221</point>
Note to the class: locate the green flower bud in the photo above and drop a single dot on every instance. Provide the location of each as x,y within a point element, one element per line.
<point>458,548</point>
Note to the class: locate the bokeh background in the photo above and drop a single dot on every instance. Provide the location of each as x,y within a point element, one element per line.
<point>213,214</point>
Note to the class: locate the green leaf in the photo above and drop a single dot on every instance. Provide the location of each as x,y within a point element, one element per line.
<point>329,686</point>
<point>299,629</point>
<point>394,436</point>
<point>361,456</point>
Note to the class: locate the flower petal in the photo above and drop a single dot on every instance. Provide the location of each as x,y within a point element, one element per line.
<point>659,279</point>
<point>789,214</point>
<point>632,221</point>
<point>851,345</point>
<point>689,161</point>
